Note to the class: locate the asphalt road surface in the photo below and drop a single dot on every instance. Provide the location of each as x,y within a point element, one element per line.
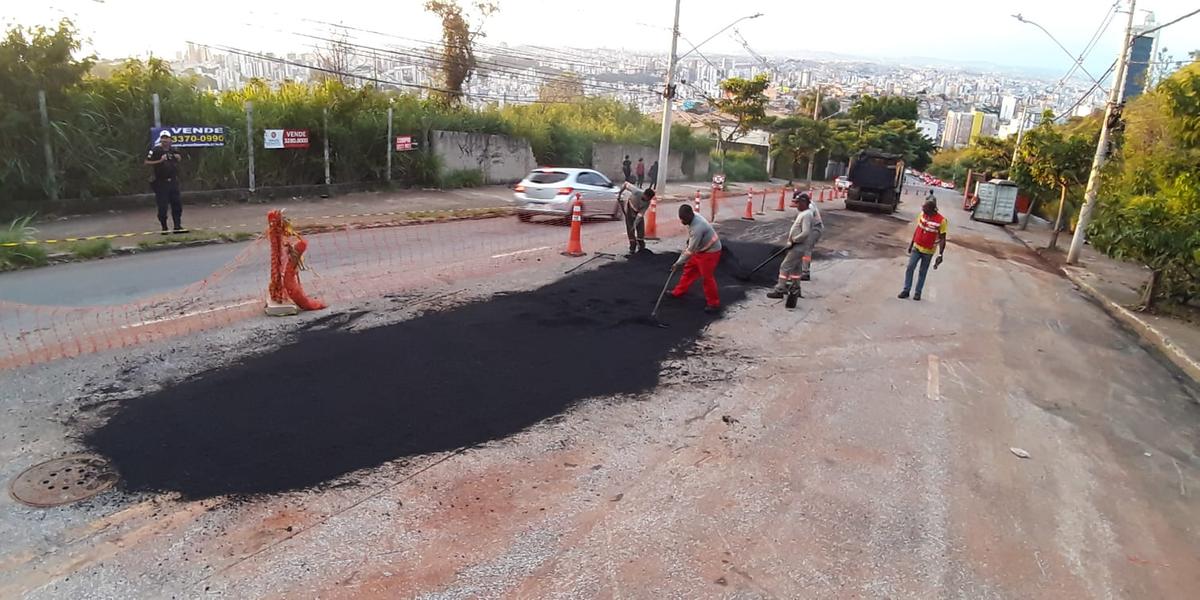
<point>858,446</point>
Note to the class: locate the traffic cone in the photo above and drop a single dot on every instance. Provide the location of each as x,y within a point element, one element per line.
<point>749,216</point>
<point>574,244</point>
<point>652,220</point>
<point>782,194</point>
<point>696,202</point>
<point>716,197</point>
<point>820,195</point>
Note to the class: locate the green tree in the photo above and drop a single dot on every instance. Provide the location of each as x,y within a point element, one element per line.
<point>829,106</point>
<point>899,137</point>
<point>799,139</point>
<point>1056,161</point>
<point>1150,209</point>
<point>458,48</point>
<point>878,111</point>
<point>744,103</point>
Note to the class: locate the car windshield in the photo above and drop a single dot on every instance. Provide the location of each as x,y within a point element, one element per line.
<point>546,176</point>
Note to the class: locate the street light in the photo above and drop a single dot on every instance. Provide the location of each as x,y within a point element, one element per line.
<point>664,140</point>
<point>1077,60</point>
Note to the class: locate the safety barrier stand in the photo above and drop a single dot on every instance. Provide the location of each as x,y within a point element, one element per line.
<point>749,214</point>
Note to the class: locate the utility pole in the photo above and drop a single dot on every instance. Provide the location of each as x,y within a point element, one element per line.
<point>250,143</point>
<point>1020,136</point>
<point>1111,113</point>
<point>325,125</point>
<point>47,151</point>
<point>157,110</point>
<point>816,117</point>
<point>664,140</point>
<point>391,143</point>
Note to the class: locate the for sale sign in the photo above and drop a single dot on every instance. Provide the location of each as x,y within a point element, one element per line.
<point>285,138</point>
<point>404,143</point>
<point>191,136</point>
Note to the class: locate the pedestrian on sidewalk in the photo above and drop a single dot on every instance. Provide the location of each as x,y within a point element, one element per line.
<point>930,232</point>
<point>634,208</point>
<point>627,168</point>
<point>165,183</point>
<point>800,240</point>
<point>652,177</point>
<point>699,259</point>
<point>640,170</point>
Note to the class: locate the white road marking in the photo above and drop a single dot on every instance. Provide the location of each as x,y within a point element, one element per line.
<point>932,384</point>
<point>194,313</point>
<point>506,254</point>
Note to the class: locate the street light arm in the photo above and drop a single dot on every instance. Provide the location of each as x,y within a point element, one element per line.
<point>723,30</point>
<point>1077,60</point>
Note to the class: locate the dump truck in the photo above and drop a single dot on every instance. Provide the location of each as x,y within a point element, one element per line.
<point>876,181</point>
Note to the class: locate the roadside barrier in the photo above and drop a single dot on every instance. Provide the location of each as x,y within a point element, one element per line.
<point>782,194</point>
<point>575,243</point>
<point>713,203</point>
<point>696,202</point>
<point>284,286</point>
<point>749,214</point>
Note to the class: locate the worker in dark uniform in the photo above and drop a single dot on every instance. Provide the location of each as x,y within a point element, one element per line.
<point>165,161</point>
<point>635,208</point>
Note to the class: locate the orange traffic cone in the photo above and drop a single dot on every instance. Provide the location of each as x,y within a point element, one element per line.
<point>782,194</point>
<point>574,244</point>
<point>652,220</point>
<point>820,195</point>
<point>696,202</point>
<point>716,198</point>
<point>749,216</point>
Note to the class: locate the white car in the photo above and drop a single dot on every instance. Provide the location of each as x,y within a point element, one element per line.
<point>842,183</point>
<point>550,192</point>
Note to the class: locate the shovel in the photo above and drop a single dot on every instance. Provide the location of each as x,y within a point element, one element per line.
<point>746,276</point>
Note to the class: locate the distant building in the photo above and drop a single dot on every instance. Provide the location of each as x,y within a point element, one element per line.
<point>983,125</point>
<point>957,132</point>
<point>928,129</point>
<point>1140,56</point>
<point>1008,108</point>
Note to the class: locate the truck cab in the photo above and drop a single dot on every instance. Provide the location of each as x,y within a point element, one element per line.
<point>876,181</point>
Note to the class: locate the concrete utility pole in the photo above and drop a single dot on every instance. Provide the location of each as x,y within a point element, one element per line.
<point>157,110</point>
<point>816,117</point>
<point>1020,136</point>
<point>325,124</point>
<point>51,178</point>
<point>391,143</point>
<point>1115,96</point>
<point>664,140</point>
<point>250,143</point>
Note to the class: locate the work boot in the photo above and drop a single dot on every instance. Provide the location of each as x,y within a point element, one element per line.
<point>804,277</point>
<point>641,246</point>
<point>775,294</point>
<point>712,310</point>
<point>903,295</point>
<point>917,296</point>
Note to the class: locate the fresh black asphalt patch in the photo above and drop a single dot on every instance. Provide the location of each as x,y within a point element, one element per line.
<point>334,401</point>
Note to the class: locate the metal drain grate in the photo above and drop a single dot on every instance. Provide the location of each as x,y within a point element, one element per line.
<point>63,481</point>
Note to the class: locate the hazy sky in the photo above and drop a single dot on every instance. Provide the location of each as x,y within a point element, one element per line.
<point>951,29</point>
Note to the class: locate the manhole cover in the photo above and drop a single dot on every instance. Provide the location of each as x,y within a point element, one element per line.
<point>63,481</point>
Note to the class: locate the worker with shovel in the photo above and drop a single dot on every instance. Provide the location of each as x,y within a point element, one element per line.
<point>699,259</point>
<point>799,245</point>
<point>634,208</point>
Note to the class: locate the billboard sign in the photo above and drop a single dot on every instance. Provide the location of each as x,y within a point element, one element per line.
<point>285,138</point>
<point>191,136</point>
<point>404,143</point>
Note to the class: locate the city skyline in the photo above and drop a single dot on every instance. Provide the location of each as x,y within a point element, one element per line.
<point>937,31</point>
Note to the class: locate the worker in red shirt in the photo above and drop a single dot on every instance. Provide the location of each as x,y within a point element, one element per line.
<point>930,232</point>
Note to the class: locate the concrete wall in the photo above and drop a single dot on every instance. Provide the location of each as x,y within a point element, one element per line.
<point>607,158</point>
<point>502,159</point>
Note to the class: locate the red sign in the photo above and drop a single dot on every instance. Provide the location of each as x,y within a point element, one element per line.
<point>285,138</point>
<point>404,143</point>
<point>295,138</point>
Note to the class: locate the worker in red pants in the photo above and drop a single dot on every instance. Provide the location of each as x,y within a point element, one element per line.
<point>699,259</point>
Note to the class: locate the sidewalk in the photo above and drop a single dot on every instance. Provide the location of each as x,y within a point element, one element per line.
<point>361,208</point>
<point>1116,286</point>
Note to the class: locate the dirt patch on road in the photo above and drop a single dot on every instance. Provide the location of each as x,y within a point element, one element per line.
<point>846,235</point>
<point>335,401</point>
<point>1006,251</point>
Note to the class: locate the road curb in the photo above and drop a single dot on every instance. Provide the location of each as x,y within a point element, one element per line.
<point>1145,331</point>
